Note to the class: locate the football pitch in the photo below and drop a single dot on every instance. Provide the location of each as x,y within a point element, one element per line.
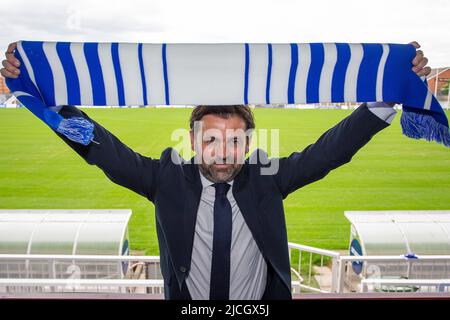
<point>392,172</point>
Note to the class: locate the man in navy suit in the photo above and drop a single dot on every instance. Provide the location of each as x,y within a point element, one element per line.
<point>220,218</point>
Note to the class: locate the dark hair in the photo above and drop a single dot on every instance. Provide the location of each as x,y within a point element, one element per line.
<point>224,111</point>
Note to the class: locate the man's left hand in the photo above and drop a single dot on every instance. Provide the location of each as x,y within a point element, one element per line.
<point>419,65</point>
<point>420,62</point>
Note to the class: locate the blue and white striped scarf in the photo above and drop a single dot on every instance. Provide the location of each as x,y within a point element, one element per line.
<point>62,73</point>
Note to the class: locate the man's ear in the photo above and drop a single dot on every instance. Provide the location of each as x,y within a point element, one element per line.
<point>191,134</point>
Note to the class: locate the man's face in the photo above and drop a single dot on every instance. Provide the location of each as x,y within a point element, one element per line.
<point>222,144</point>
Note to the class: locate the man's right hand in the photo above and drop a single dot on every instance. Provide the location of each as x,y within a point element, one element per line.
<point>11,64</point>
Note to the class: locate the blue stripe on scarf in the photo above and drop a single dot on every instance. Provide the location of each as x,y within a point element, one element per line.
<point>118,72</point>
<point>42,71</point>
<point>73,83</point>
<point>317,59</point>
<point>338,83</point>
<point>292,73</point>
<point>23,83</point>
<point>96,74</point>
<point>393,84</point>
<point>368,70</point>
<point>269,71</point>
<point>141,68</point>
<point>166,81</point>
<point>246,68</point>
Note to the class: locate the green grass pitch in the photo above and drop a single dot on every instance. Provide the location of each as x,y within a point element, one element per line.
<point>392,172</point>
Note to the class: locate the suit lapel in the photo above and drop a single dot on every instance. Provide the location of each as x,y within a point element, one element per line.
<point>245,198</point>
<point>243,194</point>
<point>191,203</point>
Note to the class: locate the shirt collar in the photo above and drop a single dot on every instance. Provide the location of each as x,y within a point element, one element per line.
<point>206,183</point>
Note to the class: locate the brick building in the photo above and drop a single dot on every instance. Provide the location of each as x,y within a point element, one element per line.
<point>3,88</point>
<point>438,78</point>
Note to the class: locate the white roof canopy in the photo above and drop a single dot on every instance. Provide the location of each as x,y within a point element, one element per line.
<point>80,232</point>
<point>402,232</point>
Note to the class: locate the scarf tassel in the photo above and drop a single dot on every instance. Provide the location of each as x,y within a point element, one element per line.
<point>76,129</point>
<point>418,126</point>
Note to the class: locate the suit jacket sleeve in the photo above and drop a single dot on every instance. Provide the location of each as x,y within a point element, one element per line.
<point>119,163</point>
<point>334,148</point>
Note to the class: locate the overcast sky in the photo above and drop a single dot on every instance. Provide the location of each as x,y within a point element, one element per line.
<point>386,21</point>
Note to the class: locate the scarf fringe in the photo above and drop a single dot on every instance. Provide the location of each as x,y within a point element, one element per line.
<point>417,126</point>
<point>77,129</point>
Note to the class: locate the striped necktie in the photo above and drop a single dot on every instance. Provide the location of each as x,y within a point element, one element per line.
<point>220,268</point>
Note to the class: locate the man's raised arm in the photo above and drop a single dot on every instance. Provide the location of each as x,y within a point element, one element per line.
<point>334,148</point>
<point>339,144</point>
<point>120,164</point>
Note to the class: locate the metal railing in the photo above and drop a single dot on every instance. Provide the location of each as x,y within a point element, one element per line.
<point>314,270</point>
<point>405,285</point>
<point>70,273</point>
<point>348,281</point>
<point>68,257</point>
<point>74,284</point>
<point>312,274</point>
<point>309,276</point>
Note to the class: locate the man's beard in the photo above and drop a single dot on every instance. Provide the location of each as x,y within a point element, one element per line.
<point>219,175</point>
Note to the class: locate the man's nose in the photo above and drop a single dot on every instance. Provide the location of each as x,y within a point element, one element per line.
<point>226,153</point>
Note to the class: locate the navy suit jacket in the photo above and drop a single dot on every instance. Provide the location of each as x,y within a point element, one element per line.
<point>175,188</point>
